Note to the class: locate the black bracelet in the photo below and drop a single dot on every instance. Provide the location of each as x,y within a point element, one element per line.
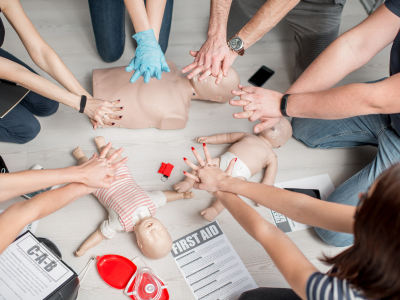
<point>83,104</point>
<point>284,105</point>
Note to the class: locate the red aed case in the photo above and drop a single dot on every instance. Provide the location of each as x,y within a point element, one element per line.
<point>139,283</point>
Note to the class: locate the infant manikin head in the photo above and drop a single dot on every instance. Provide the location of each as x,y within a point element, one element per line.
<point>279,134</point>
<point>208,90</point>
<point>153,238</point>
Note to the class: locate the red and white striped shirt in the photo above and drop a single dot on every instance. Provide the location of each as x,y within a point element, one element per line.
<point>124,197</point>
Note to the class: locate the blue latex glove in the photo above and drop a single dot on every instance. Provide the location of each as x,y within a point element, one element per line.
<point>149,60</point>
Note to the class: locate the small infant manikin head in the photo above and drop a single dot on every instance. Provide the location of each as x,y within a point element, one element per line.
<point>208,90</point>
<point>279,134</point>
<point>153,238</point>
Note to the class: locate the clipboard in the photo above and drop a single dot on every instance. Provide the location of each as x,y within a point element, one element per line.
<point>10,95</point>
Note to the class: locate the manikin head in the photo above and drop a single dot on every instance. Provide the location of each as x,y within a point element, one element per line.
<point>208,90</point>
<point>279,134</point>
<point>153,238</point>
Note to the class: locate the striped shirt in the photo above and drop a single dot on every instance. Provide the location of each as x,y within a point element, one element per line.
<point>124,197</point>
<point>323,287</point>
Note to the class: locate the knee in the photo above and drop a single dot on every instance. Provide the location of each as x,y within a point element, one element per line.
<point>110,54</point>
<point>302,131</point>
<point>28,131</point>
<point>50,108</point>
<point>336,239</point>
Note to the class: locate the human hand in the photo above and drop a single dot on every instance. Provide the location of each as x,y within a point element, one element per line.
<point>149,60</point>
<point>214,57</point>
<point>258,103</point>
<point>99,172</point>
<point>99,111</point>
<point>208,176</point>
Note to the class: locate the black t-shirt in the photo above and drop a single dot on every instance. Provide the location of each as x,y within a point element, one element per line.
<point>2,32</point>
<point>394,7</point>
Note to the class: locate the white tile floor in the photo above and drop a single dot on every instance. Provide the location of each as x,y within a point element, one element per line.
<point>66,26</point>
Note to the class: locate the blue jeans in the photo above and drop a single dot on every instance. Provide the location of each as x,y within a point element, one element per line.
<point>19,125</point>
<point>375,130</point>
<point>108,21</point>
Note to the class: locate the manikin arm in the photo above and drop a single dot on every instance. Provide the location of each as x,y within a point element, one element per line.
<point>290,261</point>
<point>270,172</point>
<point>224,138</point>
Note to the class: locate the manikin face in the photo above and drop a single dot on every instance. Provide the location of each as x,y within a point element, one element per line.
<point>208,90</point>
<point>279,134</point>
<point>153,238</point>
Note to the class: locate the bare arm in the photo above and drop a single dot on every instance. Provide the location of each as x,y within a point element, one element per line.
<point>293,265</point>
<point>270,172</point>
<point>224,138</point>
<point>155,12</point>
<point>20,214</point>
<point>137,12</point>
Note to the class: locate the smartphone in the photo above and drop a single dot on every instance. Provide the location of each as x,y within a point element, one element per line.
<point>3,167</point>
<point>261,76</point>
<point>309,192</point>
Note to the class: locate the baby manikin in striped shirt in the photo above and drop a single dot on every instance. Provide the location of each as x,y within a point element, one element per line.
<point>130,208</point>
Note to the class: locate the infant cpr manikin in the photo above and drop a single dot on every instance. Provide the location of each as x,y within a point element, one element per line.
<point>253,152</point>
<point>162,104</point>
<point>130,208</point>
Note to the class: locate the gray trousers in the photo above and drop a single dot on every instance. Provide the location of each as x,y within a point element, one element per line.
<point>315,25</point>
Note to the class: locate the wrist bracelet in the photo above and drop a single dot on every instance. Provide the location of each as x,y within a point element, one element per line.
<point>83,103</point>
<point>284,105</point>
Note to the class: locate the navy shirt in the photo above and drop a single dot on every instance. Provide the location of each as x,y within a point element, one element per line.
<point>2,32</point>
<point>394,7</point>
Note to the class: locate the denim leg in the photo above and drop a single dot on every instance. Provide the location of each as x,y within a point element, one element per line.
<point>108,21</point>
<point>374,130</point>
<point>35,103</point>
<point>269,294</point>
<point>166,26</point>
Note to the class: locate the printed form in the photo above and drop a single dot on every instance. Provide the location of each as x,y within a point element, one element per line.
<point>28,271</point>
<point>210,265</point>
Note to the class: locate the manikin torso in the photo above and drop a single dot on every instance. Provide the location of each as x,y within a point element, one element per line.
<point>162,104</point>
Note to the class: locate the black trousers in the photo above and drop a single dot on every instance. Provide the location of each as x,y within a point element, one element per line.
<point>269,294</point>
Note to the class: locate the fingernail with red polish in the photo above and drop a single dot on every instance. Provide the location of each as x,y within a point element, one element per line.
<point>236,159</point>
<point>204,144</point>
<point>184,158</point>
<point>113,124</point>
<point>120,117</point>
<point>184,172</point>
<point>192,148</point>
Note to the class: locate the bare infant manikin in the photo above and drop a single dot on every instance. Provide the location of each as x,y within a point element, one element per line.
<point>162,104</point>
<point>130,208</point>
<point>253,152</point>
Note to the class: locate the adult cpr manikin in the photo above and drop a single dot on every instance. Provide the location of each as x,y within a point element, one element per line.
<point>130,208</point>
<point>162,104</point>
<point>253,152</point>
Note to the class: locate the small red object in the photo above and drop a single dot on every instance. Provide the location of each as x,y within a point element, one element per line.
<point>166,169</point>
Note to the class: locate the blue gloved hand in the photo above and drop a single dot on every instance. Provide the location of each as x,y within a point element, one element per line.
<point>149,60</point>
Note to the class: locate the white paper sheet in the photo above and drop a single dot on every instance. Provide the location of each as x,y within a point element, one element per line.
<point>28,271</point>
<point>322,183</point>
<point>210,265</point>
<point>31,226</point>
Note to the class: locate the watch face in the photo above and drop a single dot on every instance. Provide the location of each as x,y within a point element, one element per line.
<point>236,43</point>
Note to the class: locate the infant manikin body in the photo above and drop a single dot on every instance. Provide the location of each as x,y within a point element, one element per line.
<point>163,104</point>
<point>253,152</point>
<point>130,208</point>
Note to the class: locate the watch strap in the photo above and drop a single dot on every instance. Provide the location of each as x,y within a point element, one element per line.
<point>283,107</point>
<point>83,104</point>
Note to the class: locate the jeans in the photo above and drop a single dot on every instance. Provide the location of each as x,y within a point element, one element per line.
<point>269,294</point>
<point>375,130</point>
<point>108,21</point>
<point>19,125</point>
<point>315,25</point>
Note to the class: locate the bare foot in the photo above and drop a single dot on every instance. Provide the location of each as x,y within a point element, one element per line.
<point>202,139</point>
<point>188,195</point>
<point>182,187</point>
<point>209,214</point>
<point>79,253</point>
<point>78,153</point>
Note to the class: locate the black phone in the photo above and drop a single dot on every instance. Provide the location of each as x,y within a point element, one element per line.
<point>3,167</point>
<point>261,76</point>
<point>309,192</point>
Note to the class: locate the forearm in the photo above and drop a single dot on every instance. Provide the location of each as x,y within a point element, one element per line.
<point>298,207</point>
<point>17,216</point>
<point>137,12</point>
<point>20,183</point>
<point>17,73</point>
<point>219,12</point>
<point>265,19</point>
<point>155,12</point>
<point>348,101</point>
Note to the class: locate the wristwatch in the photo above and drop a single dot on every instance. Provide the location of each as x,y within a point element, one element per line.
<point>236,44</point>
<point>284,105</point>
